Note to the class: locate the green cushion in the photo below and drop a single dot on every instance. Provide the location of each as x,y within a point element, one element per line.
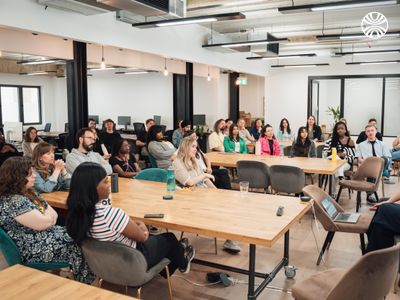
<point>153,174</point>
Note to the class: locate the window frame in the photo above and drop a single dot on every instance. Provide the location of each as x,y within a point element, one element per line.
<point>21,102</point>
<point>342,92</point>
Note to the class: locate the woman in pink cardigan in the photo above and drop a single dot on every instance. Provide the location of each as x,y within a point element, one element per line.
<point>269,145</point>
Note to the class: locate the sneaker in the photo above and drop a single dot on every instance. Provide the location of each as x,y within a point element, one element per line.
<point>231,246</point>
<point>153,229</point>
<point>371,200</point>
<point>189,255</point>
<point>185,243</point>
<point>388,180</point>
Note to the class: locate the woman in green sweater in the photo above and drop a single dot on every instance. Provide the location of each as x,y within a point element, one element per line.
<point>234,143</point>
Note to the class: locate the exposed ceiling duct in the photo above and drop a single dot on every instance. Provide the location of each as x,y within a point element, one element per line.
<point>85,7</point>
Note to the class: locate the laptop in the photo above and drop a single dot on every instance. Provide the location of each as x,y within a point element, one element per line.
<point>339,217</point>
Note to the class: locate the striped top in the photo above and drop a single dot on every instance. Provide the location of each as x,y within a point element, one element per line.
<point>348,151</point>
<point>109,223</point>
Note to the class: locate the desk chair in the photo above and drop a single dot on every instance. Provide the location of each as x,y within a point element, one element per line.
<point>372,167</point>
<point>153,174</point>
<point>287,150</point>
<point>287,179</point>
<point>255,172</point>
<point>370,278</point>
<point>138,127</point>
<point>120,264</point>
<point>152,160</point>
<point>329,225</point>
<point>168,135</point>
<point>13,257</point>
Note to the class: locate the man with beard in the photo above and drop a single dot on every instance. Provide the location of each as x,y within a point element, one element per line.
<point>85,152</point>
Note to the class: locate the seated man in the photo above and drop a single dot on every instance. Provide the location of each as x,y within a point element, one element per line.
<point>85,152</point>
<point>141,141</point>
<point>363,135</point>
<point>109,137</point>
<point>374,147</point>
<point>178,134</point>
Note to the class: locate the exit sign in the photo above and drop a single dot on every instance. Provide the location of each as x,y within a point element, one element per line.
<point>241,81</point>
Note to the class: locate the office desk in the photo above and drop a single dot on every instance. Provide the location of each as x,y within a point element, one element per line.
<point>50,134</point>
<point>307,164</point>
<point>20,282</point>
<point>211,212</point>
<point>129,136</point>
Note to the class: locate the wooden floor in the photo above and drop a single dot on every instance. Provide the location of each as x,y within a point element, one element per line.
<point>343,252</point>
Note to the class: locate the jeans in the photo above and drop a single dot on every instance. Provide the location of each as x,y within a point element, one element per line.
<point>396,155</point>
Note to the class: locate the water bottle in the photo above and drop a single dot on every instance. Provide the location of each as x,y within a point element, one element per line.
<point>282,147</point>
<point>170,179</point>
<point>334,154</point>
<point>258,148</point>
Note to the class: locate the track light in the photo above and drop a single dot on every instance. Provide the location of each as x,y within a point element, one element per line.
<point>394,51</point>
<point>165,68</point>
<point>300,65</point>
<point>281,56</point>
<point>103,63</point>
<point>374,62</point>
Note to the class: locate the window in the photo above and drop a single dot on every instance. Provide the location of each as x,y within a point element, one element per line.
<point>359,97</point>
<point>20,104</point>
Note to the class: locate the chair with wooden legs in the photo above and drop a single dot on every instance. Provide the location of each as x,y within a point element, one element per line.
<point>120,264</point>
<point>371,168</point>
<point>318,195</point>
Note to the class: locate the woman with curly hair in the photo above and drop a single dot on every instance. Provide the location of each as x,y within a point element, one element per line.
<point>30,221</point>
<point>31,140</point>
<point>51,174</point>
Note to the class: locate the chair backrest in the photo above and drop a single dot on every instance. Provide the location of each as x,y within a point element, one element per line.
<point>372,167</point>
<point>255,172</point>
<point>163,128</point>
<point>287,150</point>
<point>287,179</point>
<point>318,195</point>
<point>320,149</point>
<point>370,278</point>
<point>115,262</point>
<point>62,141</point>
<point>152,160</point>
<point>168,135</point>
<point>9,249</point>
<point>138,127</point>
<point>153,174</point>
<point>47,127</point>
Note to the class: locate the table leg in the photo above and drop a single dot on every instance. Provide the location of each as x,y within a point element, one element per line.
<point>252,267</point>
<point>330,184</point>
<point>286,248</point>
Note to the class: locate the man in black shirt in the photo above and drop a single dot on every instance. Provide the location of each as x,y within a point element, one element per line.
<point>141,141</point>
<point>363,136</point>
<point>109,136</point>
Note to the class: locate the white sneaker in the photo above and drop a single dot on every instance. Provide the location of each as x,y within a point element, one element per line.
<point>231,246</point>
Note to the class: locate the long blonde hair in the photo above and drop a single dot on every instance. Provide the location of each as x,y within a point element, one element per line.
<point>41,149</point>
<point>183,153</point>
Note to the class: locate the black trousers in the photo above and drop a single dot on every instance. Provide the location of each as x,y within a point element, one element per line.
<point>384,226</point>
<point>161,246</point>
<point>222,180</point>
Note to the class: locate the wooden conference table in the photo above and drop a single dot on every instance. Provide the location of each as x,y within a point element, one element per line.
<point>217,213</point>
<point>20,282</point>
<point>307,164</point>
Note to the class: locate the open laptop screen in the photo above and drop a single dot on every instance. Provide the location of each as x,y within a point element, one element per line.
<point>329,207</point>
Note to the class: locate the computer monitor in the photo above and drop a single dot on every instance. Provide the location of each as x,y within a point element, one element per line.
<point>157,120</point>
<point>124,120</point>
<point>94,117</point>
<point>13,131</point>
<point>47,127</point>
<point>199,120</point>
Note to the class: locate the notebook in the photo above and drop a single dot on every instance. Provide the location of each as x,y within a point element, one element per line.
<point>339,217</point>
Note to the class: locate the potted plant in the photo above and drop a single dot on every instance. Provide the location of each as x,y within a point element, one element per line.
<point>334,112</point>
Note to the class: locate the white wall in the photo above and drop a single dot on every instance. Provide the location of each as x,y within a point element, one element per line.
<point>138,96</point>
<point>210,98</point>
<point>54,97</point>
<point>286,89</point>
<point>252,96</point>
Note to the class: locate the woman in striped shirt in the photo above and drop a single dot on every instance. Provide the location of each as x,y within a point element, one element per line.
<point>91,214</point>
<point>344,145</point>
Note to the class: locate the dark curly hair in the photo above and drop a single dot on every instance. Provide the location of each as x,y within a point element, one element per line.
<point>13,174</point>
<point>153,131</point>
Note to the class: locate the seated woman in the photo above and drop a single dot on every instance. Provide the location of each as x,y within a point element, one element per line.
<point>31,140</point>
<point>243,132</point>
<point>234,143</point>
<point>385,224</point>
<point>51,174</point>
<point>269,145</point>
<point>162,151</point>
<point>314,131</point>
<point>222,180</point>
<point>257,128</point>
<point>396,149</point>
<point>89,216</point>
<point>345,147</point>
<point>187,170</point>
<point>285,134</point>
<point>30,221</point>
<point>123,161</point>
<point>189,173</point>
<point>302,146</point>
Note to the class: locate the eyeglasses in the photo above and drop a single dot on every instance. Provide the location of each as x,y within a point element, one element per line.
<point>89,137</point>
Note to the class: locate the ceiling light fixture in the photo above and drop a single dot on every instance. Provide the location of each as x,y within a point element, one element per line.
<point>165,67</point>
<point>246,43</point>
<point>191,20</point>
<point>354,36</point>
<point>281,56</point>
<point>300,65</point>
<point>103,63</point>
<point>208,75</point>
<point>334,5</point>
<point>132,72</point>
<point>38,73</point>
<point>101,69</point>
<point>374,62</point>
<point>394,51</point>
<point>40,62</point>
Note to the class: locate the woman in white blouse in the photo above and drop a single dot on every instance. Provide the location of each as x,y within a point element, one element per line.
<point>31,140</point>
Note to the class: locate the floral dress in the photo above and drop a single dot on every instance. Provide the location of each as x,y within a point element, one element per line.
<point>53,244</point>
